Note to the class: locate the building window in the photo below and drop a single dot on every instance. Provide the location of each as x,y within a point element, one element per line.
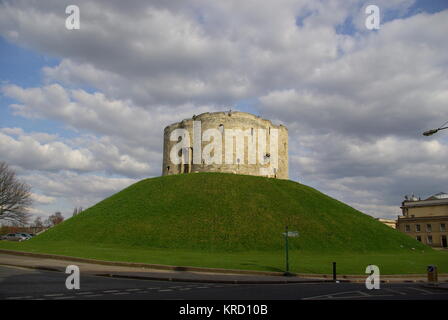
<point>407,228</point>
<point>428,227</point>
<point>429,239</point>
<point>417,228</point>
<point>419,238</point>
<point>442,227</point>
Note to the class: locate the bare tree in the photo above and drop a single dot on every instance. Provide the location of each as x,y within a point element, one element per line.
<point>55,219</point>
<point>37,225</point>
<point>38,222</point>
<point>15,196</point>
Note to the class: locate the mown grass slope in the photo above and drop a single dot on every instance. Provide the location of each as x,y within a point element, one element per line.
<point>228,213</point>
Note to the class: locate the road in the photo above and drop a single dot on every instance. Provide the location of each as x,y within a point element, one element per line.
<point>26,284</point>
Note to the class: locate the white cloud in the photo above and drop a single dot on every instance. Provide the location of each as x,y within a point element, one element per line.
<point>355,103</point>
<point>27,152</point>
<point>70,190</point>
<point>79,186</point>
<point>90,155</point>
<point>95,113</point>
<point>42,199</point>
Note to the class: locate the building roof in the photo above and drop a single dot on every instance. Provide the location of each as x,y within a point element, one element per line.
<point>437,199</point>
<point>440,195</point>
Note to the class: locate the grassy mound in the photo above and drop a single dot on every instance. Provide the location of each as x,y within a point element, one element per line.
<point>227,213</point>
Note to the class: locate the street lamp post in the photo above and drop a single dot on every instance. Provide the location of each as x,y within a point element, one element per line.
<point>432,131</point>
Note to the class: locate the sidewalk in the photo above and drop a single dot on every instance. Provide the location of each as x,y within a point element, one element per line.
<point>181,274</point>
<point>146,273</point>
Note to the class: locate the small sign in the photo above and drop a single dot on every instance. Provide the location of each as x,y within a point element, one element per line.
<point>291,234</point>
<point>432,274</point>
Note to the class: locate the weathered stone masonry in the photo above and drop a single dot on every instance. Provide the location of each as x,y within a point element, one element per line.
<point>228,120</point>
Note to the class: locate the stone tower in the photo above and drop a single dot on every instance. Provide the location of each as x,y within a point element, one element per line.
<point>231,142</point>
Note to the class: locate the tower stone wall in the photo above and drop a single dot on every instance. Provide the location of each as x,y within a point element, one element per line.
<point>251,154</point>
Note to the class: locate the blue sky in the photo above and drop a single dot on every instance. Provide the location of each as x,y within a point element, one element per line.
<point>23,66</point>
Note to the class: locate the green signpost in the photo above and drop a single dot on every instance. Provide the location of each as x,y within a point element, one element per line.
<point>288,234</point>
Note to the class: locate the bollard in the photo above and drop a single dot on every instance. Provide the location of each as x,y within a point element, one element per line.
<point>432,274</point>
<point>334,271</point>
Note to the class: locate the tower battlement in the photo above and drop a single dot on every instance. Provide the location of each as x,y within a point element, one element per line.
<point>231,142</point>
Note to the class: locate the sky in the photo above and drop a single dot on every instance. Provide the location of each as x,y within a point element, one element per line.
<point>82,111</point>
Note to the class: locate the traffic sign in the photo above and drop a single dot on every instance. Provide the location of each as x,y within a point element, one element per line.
<point>291,234</point>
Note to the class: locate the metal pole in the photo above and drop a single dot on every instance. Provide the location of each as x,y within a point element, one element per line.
<point>286,249</point>
<point>334,271</point>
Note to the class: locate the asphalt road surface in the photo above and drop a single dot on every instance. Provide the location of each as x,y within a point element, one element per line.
<point>28,284</point>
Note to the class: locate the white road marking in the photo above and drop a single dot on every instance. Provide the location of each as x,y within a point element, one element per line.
<point>351,295</point>
<point>422,290</point>
<point>133,289</point>
<point>371,296</point>
<point>66,297</point>
<point>54,295</point>
<point>121,293</point>
<point>164,290</point>
<point>395,291</point>
<point>15,298</point>
<point>110,291</point>
<point>86,292</point>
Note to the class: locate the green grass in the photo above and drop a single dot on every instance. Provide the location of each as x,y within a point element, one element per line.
<point>414,262</point>
<point>232,221</point>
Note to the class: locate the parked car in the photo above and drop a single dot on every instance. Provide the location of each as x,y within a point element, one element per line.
<point>16,237</point>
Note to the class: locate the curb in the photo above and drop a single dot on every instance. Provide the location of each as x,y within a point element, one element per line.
<point>211,280</point>
<point>31,267</point>
<point>173,279</point>
<point>141,265</point>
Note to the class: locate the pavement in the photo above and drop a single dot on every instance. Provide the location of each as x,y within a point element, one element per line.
<point>41,277</point>
<point>17,283</point>
<point>183,274</point>
<point>142,273</point>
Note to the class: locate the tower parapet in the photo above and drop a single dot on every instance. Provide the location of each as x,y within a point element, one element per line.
<point>231,142</point>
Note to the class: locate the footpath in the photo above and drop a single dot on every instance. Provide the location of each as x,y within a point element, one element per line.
<point>143,271</point>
